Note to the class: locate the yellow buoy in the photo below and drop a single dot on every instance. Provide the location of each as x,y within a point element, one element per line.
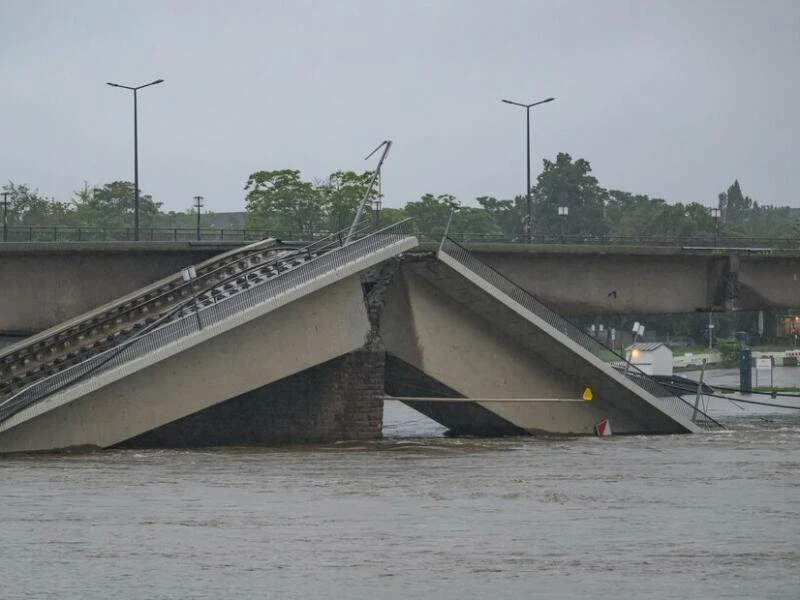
<point>587,394</point>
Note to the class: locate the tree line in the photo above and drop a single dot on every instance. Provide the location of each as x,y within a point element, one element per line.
<point>283,201</point>
<point>108,206</point>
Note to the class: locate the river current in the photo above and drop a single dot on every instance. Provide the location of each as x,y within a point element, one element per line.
<point>415,515</point>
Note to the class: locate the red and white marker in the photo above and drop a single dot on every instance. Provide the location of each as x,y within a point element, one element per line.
<point>603,428</point>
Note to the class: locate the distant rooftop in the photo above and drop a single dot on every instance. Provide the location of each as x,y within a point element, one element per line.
<point>225,220</point>
<point>646,346</point>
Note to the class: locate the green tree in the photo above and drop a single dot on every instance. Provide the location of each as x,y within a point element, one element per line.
<point>111,206</point>
<point>507,215</point>
<point>27,208</point>
<point>389,215</point>
<point>634,216</point>
<point>734,207</point>
<point>474,224</point>
<point>771,221</point>
<point>280,200</point>
<point>343,193</point>
<point>431,213</point>
<point>568,183</point>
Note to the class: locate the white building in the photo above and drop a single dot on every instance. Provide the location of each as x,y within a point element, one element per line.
<point>652,358</point>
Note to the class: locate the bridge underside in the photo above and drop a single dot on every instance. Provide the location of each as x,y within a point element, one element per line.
<point>445,337</point>
<point>576,280</point>
<point>155,405</point>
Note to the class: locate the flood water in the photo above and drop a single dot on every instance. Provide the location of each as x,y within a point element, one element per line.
<point>414,516</point>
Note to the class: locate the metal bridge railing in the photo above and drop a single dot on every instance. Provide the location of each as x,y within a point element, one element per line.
<point>147,234</point>
<point>175,330</point>
<point>705,242</point>
<point>574,333</point>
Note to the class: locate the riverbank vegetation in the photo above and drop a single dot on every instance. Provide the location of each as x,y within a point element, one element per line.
<point>282,200</point>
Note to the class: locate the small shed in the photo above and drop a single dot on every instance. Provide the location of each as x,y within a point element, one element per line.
<point>652,358</point>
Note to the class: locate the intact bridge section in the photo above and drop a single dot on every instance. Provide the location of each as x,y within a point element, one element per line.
<point>45,284</point>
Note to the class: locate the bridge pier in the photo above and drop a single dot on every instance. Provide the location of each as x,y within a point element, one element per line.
<point>341,399</point>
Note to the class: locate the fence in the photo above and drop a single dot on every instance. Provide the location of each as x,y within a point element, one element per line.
<point>92,234</point>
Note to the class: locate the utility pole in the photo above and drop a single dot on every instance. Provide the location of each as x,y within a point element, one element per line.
<point>198,204</point>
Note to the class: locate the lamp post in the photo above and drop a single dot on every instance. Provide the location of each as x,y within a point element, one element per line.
<point>198,204</point>
<point>710,333</point>
<point>5,215</point>
<point>563,211</point>
<point>715,217</point>
<point>135,151</point>
<point>638,332</point>
<point>528,224</point>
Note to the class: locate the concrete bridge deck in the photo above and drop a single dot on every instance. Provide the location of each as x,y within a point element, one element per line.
<point>295,319</point>
<point>80,338</point>
<point>48,283</point>
<point>476,357</point>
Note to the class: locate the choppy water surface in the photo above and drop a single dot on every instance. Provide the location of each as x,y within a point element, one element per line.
<point>703,516</point>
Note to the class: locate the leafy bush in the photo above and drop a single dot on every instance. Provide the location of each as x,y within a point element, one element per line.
<point>729,352</point>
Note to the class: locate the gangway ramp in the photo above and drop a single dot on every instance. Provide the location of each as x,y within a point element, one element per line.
<point>481,341</point>
<point>296,308</point>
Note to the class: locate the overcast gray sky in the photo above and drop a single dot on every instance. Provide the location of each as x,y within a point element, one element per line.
<point>672,98</point>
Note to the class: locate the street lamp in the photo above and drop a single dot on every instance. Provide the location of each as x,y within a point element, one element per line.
<point>710,332</point>
<point>135,152</point>
<point>563,211</point>
<point>715,217</point>
<point>528,224</point>
<point>638,333</point>
<point>198,204</point>
<point>5,215</point>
